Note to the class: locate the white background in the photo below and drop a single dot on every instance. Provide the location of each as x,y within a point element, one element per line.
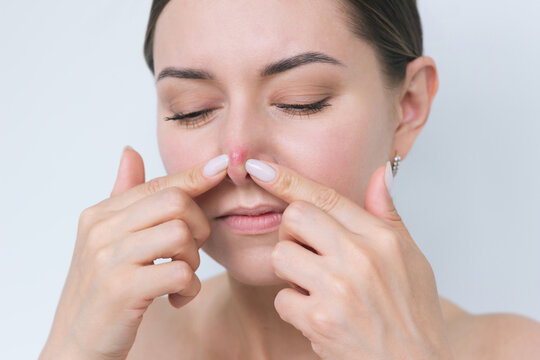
<point>74,89</point>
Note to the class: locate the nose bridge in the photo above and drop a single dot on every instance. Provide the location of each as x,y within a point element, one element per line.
<point>241,137</point>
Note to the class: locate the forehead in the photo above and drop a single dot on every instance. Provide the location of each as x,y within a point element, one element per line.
<point>241,35</point>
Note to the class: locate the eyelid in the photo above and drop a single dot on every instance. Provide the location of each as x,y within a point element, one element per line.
<point>291,104</point>
<point>298,104</point>
<point>308,101</point>
<point>194,118</point>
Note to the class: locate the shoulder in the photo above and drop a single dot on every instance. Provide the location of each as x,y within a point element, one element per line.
<point>502,336</point>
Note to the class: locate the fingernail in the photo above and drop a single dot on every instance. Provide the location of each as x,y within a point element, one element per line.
<point>127,147</point>
<point>260,170</point>
<point>215,165</point>
<point>388,178</point>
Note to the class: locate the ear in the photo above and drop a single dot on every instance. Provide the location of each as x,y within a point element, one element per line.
<point>414,102</point>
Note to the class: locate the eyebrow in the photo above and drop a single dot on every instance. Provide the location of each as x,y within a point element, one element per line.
<point>270,69</point>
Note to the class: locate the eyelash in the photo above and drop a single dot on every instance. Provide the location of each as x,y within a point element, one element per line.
<point>194,118</point>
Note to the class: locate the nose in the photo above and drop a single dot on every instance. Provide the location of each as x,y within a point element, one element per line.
<point>244,134</point>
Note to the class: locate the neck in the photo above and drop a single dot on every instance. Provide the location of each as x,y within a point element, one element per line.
<point>254,320</point>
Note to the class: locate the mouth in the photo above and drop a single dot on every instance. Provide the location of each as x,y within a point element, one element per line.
<point>251,221</point>
<point>253,211</point>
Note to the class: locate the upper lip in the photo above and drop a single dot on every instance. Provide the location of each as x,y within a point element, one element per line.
<point>257,210</point>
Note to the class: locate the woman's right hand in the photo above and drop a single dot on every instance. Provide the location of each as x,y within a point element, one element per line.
<point>112,278</point>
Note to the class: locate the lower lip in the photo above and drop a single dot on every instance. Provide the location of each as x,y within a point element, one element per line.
<point>258,224</point>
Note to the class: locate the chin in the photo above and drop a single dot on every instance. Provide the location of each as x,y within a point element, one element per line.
<point>246,258</point>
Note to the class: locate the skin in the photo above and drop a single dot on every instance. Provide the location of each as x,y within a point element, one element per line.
<point>330,169</point>
<point>367,124</point>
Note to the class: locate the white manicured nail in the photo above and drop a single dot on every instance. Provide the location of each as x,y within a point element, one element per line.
<point>388,177</point>
<point>260,170</point>
<point>216,165</point>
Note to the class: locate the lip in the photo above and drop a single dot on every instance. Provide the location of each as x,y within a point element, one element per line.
<point>261,219</point>
<point>257,210</point>
<point>252,224</point>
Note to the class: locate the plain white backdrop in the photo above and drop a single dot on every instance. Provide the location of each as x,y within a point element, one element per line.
<point>74,89</point>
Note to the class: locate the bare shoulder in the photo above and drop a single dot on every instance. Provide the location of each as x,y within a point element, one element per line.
<point>494,336</point>
<point>502,336</point>
<point>170,333</point>
<point>451,311</point>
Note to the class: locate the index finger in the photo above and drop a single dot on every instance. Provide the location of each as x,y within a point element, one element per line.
<point>194,181</point>
<point>290,186</point>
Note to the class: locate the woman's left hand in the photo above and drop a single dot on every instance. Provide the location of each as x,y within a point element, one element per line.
<point>370,292</point>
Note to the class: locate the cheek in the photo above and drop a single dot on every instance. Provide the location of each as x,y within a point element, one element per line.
<point>334,158</point>
<point>340,155</point>
<point>179,150</point>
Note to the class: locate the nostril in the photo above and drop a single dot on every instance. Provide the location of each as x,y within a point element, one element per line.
<point>238,176</point>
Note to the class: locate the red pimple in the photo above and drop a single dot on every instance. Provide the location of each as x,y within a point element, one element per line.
<point>237,156</point>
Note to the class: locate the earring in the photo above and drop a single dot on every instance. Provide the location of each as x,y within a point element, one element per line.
<point>395,166</point>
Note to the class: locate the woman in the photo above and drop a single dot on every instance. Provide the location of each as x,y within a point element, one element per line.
<point>281,125</point>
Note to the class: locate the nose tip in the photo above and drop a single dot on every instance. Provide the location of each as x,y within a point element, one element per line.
<point>237,157</point>
<point>236,170</point>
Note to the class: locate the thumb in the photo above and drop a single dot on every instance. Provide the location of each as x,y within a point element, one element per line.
<point>130,171</point>
<point>378,200</point>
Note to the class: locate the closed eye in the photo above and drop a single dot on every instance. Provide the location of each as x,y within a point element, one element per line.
<point>194,118</point>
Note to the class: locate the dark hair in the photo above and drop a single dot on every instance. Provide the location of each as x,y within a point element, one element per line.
<point>392,27</point>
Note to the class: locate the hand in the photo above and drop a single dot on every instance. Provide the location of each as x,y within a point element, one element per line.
<point>112,277</point>
<point>362,289</point>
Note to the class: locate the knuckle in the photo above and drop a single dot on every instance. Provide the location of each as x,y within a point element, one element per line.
<point>193,289</point>
<point>321,320</point>
<point>197,260</point>
<point>104,256</point>
<point>276,252</point>
<point>179,229</point>
<point>340,286</point>
<point>88,216</point>
<point>181,273</point>
<point>281,304</point>
<point>88,213</point>
<point>286,183</point>
<point>293,213</point>
<point>281,253</point>
<point>366,263</point>
<point>389,241</point>
<point>97,233</point>
<point>176,200</point>
<point>155,185</point>
<point>206,230</point>
<point>192,181</point>
<point>325,198</point>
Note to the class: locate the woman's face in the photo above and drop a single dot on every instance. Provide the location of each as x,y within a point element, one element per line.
<point>339,146</point>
